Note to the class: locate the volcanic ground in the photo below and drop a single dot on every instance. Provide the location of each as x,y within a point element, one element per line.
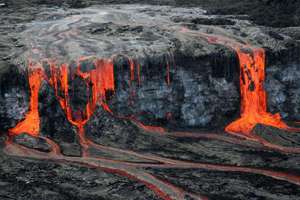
<point>171,100</point>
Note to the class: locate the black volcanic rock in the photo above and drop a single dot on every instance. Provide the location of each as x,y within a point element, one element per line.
<point>198,88</point>
<point>203,94</point>
<point>54,124</point>
<point>283,87</point>
<point>14,95</point>
<point>32,142</point>
<point>36,180</point>
<point>229,186</point>
<point>277,136</point>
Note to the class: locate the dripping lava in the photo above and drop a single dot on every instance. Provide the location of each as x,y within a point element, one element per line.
<point>101,81</point>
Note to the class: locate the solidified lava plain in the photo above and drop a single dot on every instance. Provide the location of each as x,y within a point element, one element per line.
<point>147,100</point>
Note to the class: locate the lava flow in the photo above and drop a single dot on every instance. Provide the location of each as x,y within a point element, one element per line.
<point>31,123</point>
<point>253,94</point>
<point>100,81</point>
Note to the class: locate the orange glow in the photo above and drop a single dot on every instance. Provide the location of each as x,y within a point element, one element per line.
<point>99,80</point>
<point>253,94</point>
<point>152,129</point>
<point>31,123</point>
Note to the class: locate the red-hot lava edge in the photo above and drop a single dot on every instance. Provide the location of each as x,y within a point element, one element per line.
<point>135,171</point>
<point>101,80</point>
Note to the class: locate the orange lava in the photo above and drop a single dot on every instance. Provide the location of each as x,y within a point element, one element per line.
<point>152,129</point>
<point>99,81</point>
<point>31,123</point>
<point>253,94</point>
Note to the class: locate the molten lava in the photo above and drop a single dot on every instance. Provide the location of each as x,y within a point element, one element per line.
<point>99,81</point>
<point>31,123</point>
<point>253,94</point>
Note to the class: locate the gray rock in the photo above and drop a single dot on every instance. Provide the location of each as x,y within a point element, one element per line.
<point>32,142</point>
<point>54,124</point>
<point>277,136</point>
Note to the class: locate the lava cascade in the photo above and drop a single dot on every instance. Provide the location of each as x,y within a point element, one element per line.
<point>31,123</point>
<point>100,81</point>
<point>253,94</point>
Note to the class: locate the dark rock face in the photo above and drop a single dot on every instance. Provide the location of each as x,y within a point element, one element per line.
<point>185,82</point>
<point>195,92</point>
<point>63,181</point>
<point>32,142</point>
<point>14,96</point>
<point>54,124</point>
<point>283,87</point>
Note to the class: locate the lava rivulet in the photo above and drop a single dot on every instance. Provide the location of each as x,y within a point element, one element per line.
<point>100,80</point>
<point>31,123</point>
<point>253,94</point>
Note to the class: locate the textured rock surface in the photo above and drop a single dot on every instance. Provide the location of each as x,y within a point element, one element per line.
<point>32,142</point>
<point>14,96</point>
<point>283,85</point>
<point>204,87</point>
<point>54,123</point>
<point>63,181</point>
<point>203,93</point>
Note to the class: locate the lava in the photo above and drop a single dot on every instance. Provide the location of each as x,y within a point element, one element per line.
<point>100,81</point>
<point>31,123</point>
<point>135,171</point>
<point>253,94</point>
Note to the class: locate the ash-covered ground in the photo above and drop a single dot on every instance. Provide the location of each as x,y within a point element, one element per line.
<point>164,137</point>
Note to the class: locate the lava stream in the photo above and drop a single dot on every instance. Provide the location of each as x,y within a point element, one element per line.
<point>162,188</point>
<point>31,123</point>
<point>135,172</point>
<point>253,94</point>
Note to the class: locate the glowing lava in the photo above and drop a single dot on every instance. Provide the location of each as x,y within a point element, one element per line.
<point>253,94</point>
<point>99,81</point>
<point>31,123</point>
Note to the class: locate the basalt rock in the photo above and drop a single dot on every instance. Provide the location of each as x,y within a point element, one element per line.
<point>182,80</point>
<point>278,137</point>
<point>174,69</point>
<point>14,95</point>
<point>32,142</point>
<point>282,84</point>
<point>54,124</point>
